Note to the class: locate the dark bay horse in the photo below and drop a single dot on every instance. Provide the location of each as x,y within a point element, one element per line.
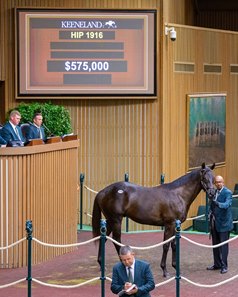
<point>159,206</point>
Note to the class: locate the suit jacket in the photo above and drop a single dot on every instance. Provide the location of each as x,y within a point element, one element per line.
<point>221,209</point>
<point>2,141</point>
<point>32,132</point>
<point>143,278</point>
<point>8,133</point>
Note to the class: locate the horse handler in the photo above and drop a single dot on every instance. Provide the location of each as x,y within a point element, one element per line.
<point>220,224</point>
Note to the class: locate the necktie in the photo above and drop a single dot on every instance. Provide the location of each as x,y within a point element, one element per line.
<point>217,194</point>
<point>40,134</point>
<point>17,133</point>
<point>130,277</point>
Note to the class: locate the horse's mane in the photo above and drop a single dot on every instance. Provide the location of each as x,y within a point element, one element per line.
<point>184,179</point>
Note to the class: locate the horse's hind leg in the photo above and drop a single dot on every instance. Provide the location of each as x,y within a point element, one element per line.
<point>116,233</point>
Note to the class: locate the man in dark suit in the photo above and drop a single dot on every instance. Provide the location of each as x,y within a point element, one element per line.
<point>221,224</point>
<point>131,273</point>
<point>11,131</point>
<point>35,129</point>
<point>2,141</point>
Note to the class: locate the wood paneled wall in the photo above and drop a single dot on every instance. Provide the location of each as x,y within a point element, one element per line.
<point>143,137</point>
<point>198,46</point>
<point>38,184</point>
<point>226,20</point>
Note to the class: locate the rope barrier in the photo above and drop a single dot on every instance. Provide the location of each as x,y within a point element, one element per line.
<point>210,286</point>
<point>63,286</point>
<point>88,214</point>
<point>210,246</point>
<point>197,217</point>
<point>11,245</point>
<point>66,245</point>
<point>165,282</point>
<point>108,278</point>
<point>13,284</point>
<point>142,248</point>
<point>95,192</point>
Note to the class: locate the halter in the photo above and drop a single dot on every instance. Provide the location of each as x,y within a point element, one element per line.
<point>203,184</point>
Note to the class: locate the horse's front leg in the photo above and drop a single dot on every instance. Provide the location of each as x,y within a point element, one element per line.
<point>173,247</point>
<point>164,258</point>
<point>168,232</point>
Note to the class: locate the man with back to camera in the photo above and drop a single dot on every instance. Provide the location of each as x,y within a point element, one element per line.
<point>132,274</point>
<point>221,224</point>
<point>11,131</point>
<point>35,129</point>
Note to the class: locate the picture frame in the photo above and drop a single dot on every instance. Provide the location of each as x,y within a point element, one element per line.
<point>206,137</point>
<point>85,53</point>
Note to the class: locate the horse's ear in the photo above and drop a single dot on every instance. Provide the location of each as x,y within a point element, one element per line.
<point>213,166</point>
<point>203,165</point>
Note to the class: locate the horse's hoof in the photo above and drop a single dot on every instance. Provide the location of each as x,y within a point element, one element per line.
<point>166,274</point>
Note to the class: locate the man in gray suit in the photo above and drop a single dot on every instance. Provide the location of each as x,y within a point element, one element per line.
<point>221,224</point>
<point>131,276</point>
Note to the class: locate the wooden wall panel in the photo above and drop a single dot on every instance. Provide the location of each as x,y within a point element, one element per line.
<point>40,186</point>
<point>224,20</point>
<point>179,12</point>
<point>198,46</point>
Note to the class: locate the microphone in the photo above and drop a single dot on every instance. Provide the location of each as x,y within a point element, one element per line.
<point>48,130</point>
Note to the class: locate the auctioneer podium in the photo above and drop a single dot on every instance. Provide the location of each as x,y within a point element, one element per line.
<point>38,183</point>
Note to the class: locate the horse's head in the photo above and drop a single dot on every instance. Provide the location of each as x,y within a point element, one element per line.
<point>207,179</point>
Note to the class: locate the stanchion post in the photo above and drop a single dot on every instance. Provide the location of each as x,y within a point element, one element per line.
<point>29,238</point>
<point>127,220</point>
<point>103,231</point>
<point>162,176</point>
<point>177,239</point>
<point>81,200</point>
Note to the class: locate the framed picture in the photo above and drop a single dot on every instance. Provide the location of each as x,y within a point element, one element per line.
<point>206,129</point>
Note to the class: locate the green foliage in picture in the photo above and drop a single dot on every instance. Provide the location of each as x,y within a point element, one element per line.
<point>55,117</point>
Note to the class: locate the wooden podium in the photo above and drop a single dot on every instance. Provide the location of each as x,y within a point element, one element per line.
<point>37,141</point>
<point>53,139</point>
<point>38,183</point>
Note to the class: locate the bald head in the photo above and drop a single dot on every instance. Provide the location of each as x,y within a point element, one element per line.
<point>219,182</point>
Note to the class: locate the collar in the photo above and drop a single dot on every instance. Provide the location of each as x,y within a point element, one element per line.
<point>132,265</point>
<point>36,126</point>
<point>13,126</point>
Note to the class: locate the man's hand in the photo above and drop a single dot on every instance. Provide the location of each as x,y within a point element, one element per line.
<point>133,291</point>
<point>132,288</point>
<point>127,285</point>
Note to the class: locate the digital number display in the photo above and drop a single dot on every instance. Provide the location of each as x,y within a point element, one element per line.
<point>70,53</point>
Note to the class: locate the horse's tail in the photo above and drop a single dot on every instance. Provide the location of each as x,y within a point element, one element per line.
<point>97,215</point>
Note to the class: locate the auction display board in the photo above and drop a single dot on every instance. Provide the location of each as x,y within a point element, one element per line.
<point>74,53</point>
